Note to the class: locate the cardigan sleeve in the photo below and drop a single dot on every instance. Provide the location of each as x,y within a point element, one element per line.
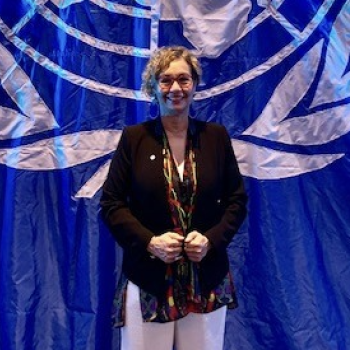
<point>127,230</point>
<point>234,199</point>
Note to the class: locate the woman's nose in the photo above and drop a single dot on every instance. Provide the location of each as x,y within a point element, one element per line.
<point>175,86</point>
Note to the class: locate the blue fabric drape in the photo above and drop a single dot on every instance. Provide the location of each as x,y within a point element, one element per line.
<point>276,74</point>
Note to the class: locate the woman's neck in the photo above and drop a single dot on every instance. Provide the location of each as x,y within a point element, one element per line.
<point>175,124</point>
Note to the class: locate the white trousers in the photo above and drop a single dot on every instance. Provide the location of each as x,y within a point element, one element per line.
<point>193,332</point>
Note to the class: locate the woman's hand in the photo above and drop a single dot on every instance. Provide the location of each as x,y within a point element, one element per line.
<point>167,247</point>
<point>196,246</point>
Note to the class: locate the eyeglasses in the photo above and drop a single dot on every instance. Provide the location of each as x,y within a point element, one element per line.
<point>167,81</point>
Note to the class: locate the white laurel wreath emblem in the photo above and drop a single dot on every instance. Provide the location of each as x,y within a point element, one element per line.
<point>326,124</point>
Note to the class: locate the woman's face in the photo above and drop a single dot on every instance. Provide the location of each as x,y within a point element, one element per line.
<point>175,89</point>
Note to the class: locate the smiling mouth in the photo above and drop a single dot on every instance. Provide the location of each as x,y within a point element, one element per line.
<point>175,98</point>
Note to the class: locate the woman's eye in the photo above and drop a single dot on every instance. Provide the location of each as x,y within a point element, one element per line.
<point>166,81</point>
<point>184,80</point>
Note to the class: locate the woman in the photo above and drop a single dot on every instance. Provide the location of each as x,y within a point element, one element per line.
<point>173,200</point>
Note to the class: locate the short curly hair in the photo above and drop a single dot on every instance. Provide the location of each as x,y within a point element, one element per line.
<point>160,61</point>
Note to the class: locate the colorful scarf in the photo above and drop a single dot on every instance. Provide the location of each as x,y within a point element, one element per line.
<point>181,276</point>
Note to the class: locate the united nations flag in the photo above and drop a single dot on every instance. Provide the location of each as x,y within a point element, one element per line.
<point>276,74</point>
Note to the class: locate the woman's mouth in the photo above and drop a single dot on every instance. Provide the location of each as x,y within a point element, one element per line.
<point>175,98</point>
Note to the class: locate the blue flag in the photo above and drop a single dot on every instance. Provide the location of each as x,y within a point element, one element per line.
<point>275,73</point>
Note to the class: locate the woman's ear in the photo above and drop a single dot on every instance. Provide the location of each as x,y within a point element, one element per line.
<point>154,108</point>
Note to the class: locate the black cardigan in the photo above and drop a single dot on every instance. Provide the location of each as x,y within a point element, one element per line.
<point>134,202</point>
